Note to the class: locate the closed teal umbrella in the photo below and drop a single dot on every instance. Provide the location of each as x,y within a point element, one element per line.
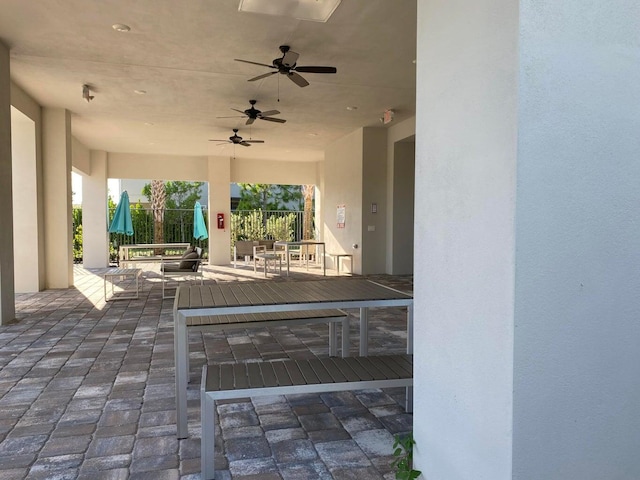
<point>121,222</point>
<point>199,228</point>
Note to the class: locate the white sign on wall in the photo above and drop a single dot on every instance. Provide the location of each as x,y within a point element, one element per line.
<point>341,215</point>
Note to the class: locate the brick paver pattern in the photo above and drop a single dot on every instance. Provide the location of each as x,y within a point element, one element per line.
<point>87,391</point>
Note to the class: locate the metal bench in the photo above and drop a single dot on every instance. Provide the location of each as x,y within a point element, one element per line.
<point>284,377</point>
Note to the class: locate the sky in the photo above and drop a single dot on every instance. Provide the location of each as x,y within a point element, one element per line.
<point>76,188</point>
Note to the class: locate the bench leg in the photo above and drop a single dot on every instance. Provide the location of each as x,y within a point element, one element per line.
<point>207,449</point>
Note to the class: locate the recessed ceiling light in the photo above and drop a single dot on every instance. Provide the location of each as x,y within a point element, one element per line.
<point>313,134</point>
<point>352,108</point>
<point>121,27</point>
<point>149,124</point>
<point>140,92</point>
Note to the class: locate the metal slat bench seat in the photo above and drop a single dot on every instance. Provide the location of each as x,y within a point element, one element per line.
<point>285,377</point>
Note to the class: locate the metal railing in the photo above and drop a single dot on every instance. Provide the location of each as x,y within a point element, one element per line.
<point>178,227</point>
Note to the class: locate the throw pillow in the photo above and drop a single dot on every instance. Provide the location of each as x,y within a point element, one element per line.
<point>186,263</point>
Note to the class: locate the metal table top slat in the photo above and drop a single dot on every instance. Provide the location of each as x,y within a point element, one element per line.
<point>182,298</point>
<point>241,297</point>
<point>272,293</point>
<point>267,293</point>
<point>379,364</point>
<point>320,370</point>
<point>400,364</point>
<point>371,368</point>
<point>206,295</point>
<point>240,377</point>
<point>336,375</point>
<point>226,377</point>
<point>268,375</point>
<point>406,361</point>
<point>297,378</point>
<point>195,297</point>
<point>228,295</point>
<point>250,294</point>
<point>213,377</point>
<point>308,373</point>
<point>348,373</point>
<point>254,374</point>
<point>216,294</point>
<point>358,369</point>
<point>281,373</point>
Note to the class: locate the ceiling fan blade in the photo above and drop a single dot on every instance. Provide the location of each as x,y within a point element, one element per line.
<point>317,69</point>
<point>265,75</point>
<point>272,119</point>
<point>234,116</point>
<point>254,63</point>
<point>290,58</point>
<point>268,113</point>
<point>250,121</point>
<point>244,144</point>
<point>297,79</point>
<point>215,140</point>
<point>239,111</point>
<point>253,141</point>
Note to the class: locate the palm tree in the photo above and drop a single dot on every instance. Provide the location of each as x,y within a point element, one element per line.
<point>158,201</point>
<point>307,218</point>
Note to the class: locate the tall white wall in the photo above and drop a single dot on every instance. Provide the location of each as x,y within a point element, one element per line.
<point>28,107</point>
<point>400,196</point>
<point>526,288</point>
<point>577,355</point>
<point>56,148</point>
<point>7,288</point>
<point>343,186</point>
<point>403,213</point>
<point>95,236</point>
<point>466,146</point>
<point>25,203</point>
<point>219,192</point>
<point>374,191</point>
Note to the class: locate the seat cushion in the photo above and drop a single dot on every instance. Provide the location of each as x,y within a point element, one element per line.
<point>188,251</point>
<point>189,261</point>
<point>174,267</point>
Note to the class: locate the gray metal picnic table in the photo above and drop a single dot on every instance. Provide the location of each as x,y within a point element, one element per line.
<point>261,297</point>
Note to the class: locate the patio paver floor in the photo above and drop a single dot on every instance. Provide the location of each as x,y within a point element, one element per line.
<point>87,391</point>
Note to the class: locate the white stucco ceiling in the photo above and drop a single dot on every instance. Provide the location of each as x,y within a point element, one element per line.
<point>182,54</point>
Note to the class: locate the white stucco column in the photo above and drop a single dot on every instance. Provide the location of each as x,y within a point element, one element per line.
<point>56,150</point>
<point>7,288</point>
<point>95,249</point>
<point>219,193</point>
<point>527,222</point>
<point>25,203</point>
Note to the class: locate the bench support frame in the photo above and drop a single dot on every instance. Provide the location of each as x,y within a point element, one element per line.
<point>208,405</point>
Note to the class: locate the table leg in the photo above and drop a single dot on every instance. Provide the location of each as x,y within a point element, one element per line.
<point>345,337</point>
<point>333,339</point>
<point>324,260</point>
<point>364,331</point>
<point>409,390</point>
<point>286,254</point>
<point>182,373</point>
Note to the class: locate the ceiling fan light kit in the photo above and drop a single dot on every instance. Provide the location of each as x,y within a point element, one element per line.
<point>236,139</point>
<point>254,114</point>
<point>287,65</point>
